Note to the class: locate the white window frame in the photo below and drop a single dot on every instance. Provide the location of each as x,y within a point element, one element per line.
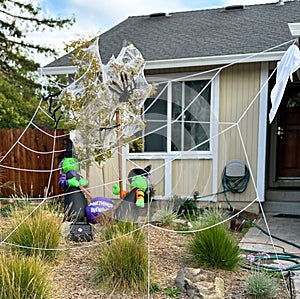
<point>182,155</point>
<point>214,116</point>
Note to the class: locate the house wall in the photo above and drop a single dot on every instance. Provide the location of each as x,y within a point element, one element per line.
<point>239,109</point>
<point>189,176</point>
<point>239,87</point>
<point>101,179</point>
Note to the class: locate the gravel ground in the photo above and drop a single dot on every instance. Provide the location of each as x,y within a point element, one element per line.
<point>72,274</point>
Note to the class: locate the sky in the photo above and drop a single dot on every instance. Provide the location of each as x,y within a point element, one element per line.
<point>94,17</point>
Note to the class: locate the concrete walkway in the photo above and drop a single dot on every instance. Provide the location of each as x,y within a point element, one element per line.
<point>285,228</point>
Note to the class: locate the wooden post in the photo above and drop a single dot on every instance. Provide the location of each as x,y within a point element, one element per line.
<point>87,193</point>
<point>118,117</point>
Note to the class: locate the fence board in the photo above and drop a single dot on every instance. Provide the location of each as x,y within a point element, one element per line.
<point>27,165</point>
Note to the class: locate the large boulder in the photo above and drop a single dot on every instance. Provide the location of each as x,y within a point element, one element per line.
<point>200,284</point>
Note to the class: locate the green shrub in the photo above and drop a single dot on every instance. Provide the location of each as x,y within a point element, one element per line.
<point>40,230</point>
<point>214,247</point>
<point>172,292</point>
<point>5,211</point>
<point>122,263</point>
<point>187,208</point>
<point>155,287</point>
<point>261,285</point>
<point>23,278</point>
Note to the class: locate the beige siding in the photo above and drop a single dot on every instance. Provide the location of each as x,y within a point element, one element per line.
<point>189,176</point>
<point>239,87</point>
<point>102,179</point>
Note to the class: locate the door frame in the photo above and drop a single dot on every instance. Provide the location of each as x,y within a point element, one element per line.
<point>272,180</point>
<point>262,132</point>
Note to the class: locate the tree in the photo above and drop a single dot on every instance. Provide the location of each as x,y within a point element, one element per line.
<point>14,111</point>
<point>105,102</point>
<point>17,19</point>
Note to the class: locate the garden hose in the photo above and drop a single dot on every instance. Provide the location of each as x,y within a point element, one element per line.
<point>293,258</point>
<point>234,184</point>
<point>239,185</point>
<point>230,184</point>
<point>285,256</point>
<point>257,263</point>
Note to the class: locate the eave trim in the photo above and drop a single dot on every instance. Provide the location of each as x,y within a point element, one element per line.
<point>184,62</point>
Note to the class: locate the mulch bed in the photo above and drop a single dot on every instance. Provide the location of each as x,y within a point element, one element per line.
<point>71,275</point>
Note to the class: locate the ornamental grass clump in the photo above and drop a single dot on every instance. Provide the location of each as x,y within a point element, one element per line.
<point>122,261</point>
<point>33,232</point>
<point>165,214</point>
<point>23,278</point>
<point>116,228</point>
<point>261,285</point>
<point>214,215</point>
<point>214,248</point>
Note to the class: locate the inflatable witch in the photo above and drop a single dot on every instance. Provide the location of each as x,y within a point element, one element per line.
<point>145,173</point>
<point>129,208</point>
<point>75,202</point>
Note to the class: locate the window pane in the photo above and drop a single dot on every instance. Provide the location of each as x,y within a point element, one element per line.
<point>177,116</point>
<point>155,133</point>
<point>156,122</point>
<point>177,101</point>
<point>191,113</point>
<point>177,141</point>
<point>157,141</point>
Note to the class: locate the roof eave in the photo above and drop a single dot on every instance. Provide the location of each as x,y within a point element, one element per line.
<point>57,70</point>
<point>214,60</point>
<point>184,62</point>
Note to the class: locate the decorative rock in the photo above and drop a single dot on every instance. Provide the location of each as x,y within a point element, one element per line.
<point>200,284</point>
<point>182,223</point>
<point>65,229</point>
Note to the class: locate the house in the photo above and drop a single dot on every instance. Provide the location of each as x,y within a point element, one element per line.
<point>228,55</point>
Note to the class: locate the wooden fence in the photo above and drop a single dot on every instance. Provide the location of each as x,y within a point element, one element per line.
<point>30,162</point>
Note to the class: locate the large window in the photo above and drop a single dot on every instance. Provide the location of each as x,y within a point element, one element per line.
<point>177,118</point>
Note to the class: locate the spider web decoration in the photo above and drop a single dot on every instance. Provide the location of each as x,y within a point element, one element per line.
<point>124,76</point>
<point>102,90</point>
<point>232,126</point>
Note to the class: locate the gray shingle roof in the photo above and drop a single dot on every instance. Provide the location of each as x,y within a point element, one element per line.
<point>201,33</point>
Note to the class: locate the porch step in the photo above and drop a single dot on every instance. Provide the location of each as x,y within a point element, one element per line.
<point>284,207</point>
<point>283,195</point>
